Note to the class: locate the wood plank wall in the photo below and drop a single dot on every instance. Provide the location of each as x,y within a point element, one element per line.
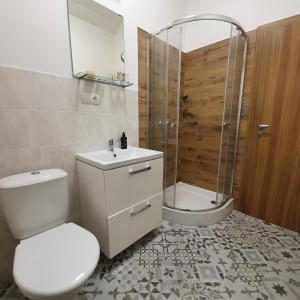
<point>203,80</point>
<point>142,87</point>
<point>201,114</point>
<point>163,86</point>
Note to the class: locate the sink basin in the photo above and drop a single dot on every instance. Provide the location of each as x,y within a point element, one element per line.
<point>107,160</point>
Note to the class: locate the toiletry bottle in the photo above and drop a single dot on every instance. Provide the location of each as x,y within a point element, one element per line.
<point>123,141</point>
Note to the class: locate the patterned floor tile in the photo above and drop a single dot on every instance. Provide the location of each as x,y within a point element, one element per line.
<point>238,258</point>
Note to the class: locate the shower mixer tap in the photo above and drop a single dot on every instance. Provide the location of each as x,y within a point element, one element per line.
<point>167,123</point>
<point>164,123</point>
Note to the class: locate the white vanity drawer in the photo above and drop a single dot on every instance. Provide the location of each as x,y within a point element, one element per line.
<point>132,184</point>
<point>131,224</point>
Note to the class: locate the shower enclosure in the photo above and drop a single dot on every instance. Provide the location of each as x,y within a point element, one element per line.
<point>193,113</point>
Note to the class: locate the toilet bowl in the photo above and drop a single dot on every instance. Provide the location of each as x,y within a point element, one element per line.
<point>53,259</point>
<point>55,262</point>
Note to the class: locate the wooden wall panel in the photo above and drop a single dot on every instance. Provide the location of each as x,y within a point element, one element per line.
<point>201,114</point>
<point>142,87</point>
<point>164,67</point>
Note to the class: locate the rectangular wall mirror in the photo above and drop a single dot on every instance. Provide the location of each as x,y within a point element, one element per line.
<point>97,42</point>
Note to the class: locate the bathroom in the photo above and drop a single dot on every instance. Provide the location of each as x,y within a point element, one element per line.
<point>203,203</point>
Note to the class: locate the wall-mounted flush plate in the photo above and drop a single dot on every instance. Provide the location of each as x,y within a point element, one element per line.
<point>87,98</point>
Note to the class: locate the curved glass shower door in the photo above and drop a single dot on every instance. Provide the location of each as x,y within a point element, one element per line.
<point>164,59</point>
<point>231,114</point>
<point>194,102</point>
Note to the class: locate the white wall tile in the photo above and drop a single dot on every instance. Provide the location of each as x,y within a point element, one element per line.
<point>25,160</point>
<point>71,127</point>
<point>98,145</point>
<point>114,100</point>
<point>67,94</point>
<point>9,162</point>
<point>14,128</point>
<point>47,157</point>
<point>44,128</point>
<point>40,90</point>
<point>69,152</point>
<point>12,84</point>
<point>92,126</point>
<point>131,102</point>
<point>92,87</point>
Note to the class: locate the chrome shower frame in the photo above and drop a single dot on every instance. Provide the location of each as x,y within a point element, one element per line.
<point>204,17</point>
<point>220,18</point>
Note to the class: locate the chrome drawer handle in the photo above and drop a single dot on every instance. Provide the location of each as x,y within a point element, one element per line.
<point>131,172</point>
<point>133,213</point>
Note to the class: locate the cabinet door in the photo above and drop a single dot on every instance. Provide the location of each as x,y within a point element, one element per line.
<point>129,185</point>
<point>271,181</point>
<point>129,225</point>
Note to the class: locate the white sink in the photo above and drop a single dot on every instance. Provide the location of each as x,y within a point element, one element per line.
<point>107,160</point>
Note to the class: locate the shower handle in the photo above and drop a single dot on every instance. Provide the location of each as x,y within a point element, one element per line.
<point>166,123</point>
<point>226,124</point>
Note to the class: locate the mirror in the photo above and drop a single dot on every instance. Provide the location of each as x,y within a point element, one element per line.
<point>97,42</point>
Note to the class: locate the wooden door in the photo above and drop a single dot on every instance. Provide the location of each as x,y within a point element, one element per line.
<point>271,180</point>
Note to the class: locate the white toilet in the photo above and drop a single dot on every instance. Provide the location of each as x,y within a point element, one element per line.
<point>53,258</point>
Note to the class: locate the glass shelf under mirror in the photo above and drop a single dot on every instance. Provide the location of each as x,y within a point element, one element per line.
<point>83,75</point>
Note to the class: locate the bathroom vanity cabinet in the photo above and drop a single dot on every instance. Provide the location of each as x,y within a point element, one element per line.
<point>121,205</point>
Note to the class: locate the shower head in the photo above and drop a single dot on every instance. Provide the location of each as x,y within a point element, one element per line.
<point>182,100</point>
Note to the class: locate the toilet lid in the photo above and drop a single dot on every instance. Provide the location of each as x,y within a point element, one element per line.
<point>55,261</point>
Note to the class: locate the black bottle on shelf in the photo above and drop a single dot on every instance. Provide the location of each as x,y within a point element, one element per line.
<point>123,141</point>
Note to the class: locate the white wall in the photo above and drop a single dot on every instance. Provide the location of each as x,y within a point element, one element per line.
<point>250,13</point>
<point>34,33</point>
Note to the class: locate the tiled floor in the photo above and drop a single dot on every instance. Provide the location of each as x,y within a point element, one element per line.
<point>239,258</point>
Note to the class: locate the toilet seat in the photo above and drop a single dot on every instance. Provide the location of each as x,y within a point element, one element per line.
<point>55,261</point>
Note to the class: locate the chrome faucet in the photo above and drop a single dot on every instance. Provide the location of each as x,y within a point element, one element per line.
<point>110,146</point>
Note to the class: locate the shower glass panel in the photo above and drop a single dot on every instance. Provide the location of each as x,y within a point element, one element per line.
<point>157,90</point>
<point>209,112</point>
<point>164,87</point>
<point>231,115</point>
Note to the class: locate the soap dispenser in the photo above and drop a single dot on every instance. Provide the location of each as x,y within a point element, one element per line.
<point>123,141</point>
